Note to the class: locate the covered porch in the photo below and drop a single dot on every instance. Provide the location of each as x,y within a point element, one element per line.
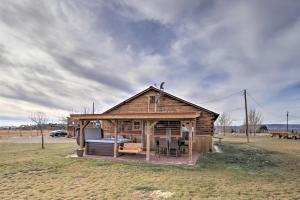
<point>148,136</point>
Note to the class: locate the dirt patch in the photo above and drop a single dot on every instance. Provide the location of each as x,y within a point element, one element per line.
<point>153,195</point>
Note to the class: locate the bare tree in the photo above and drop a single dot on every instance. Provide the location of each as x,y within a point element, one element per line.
<point>224,120</point>
<point>63,120</point>
<point>40,119</point>
<point>255,119</point>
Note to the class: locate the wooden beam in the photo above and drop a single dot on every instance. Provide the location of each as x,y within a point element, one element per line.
<point>148,133</point>
<point>181,128</point>
<point>85,124</point>
<point>153,136</point>
<point>138,116</point>
<point>190,141</point>
<point>153,123</point>
<point>195,126</point>
<point>152,132</point>
<point>81,139</point>
<point>142,133</point>
<point>116,139</point>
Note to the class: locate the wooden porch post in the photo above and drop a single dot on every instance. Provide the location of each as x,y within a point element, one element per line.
<point>148,133</point>
<point>82,125</point>
<point>116,138</point>
<point>181,129</point>
<point>153,137</point>
<point>190,141</point>
<point>81,139</point>
<point>142,133</point>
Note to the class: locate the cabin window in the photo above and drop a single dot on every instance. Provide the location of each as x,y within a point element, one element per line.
<point>136,125</point>
<point>152,99</point>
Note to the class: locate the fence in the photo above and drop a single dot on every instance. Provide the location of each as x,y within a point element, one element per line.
<point>21,133</point>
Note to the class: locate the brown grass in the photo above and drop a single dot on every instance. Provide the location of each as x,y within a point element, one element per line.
<point>266,168</point>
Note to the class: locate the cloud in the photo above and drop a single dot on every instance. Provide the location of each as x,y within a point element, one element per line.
<point>59,56</point>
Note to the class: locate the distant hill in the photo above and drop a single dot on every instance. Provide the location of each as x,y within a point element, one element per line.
<point>271,127</point>
<point>283,126</point>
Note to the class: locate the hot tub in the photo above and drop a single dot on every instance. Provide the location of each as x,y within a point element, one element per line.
<point>103,147</point>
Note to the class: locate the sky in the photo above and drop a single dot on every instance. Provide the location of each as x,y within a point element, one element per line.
<point>60,56</point>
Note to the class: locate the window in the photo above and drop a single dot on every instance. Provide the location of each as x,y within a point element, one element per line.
<point>136,125</point>
<point>152,99</point>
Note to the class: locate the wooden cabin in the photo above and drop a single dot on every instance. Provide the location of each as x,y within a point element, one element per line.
<point>154,114</point>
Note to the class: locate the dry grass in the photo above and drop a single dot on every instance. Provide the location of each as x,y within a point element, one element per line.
<point>20,133</point>
<point>288,146</point>
<point>267,168</point>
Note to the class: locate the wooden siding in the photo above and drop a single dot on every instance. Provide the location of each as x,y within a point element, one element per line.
<point>203,143</point>
<point>140,105</point>
<point>204,124</point>
<point>162,128</point>
<point>126,128</point>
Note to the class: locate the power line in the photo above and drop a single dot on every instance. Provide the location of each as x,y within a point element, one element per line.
<point>255,100</point>
<point>221,98</point>
<point>234,109</point>
<point>260,105</point>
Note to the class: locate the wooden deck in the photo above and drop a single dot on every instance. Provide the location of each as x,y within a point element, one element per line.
<point>154,159</point>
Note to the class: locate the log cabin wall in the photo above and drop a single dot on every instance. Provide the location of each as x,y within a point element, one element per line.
<point>108,128</point>
<point>127,129</point>
<point>140,105</point>
<point>163,127</point>
<point>204,124</point>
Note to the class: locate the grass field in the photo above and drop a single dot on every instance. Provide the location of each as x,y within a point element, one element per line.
<point>267,168</point>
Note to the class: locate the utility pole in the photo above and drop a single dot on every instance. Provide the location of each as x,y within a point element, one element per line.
<point>287,121</point>
<point>246,113</point>
<point>93,108</point>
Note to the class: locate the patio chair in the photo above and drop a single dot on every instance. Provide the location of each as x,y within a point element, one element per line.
<point>174,147</point>
<point>163,147</point>
<point>156,145</point>
<point>181,143</point>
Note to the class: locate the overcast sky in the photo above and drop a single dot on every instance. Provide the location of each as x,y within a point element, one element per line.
<point>59,56</point>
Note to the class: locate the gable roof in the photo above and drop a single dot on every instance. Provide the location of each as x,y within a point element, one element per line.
<point>166,94</point>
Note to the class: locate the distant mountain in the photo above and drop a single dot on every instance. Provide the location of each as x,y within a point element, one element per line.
<point>283,126</point>
<point>271,127</point>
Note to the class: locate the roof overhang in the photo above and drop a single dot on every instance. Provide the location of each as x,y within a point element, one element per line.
<point>146,116</point>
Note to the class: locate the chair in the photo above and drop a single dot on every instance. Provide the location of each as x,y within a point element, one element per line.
<point>156,145</point>
<point>181,143</point>
<point>174,146</point>
<point>163,146</point>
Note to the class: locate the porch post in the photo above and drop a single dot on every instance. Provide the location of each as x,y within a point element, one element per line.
<point>81,139</point>
<point>116,138</point>
<point>190,141</point>
<point>82,125</point>
<point>148,133</point>
<point>181,129</point>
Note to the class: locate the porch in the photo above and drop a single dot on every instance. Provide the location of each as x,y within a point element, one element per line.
<point>147,135</point>
<point>154,158</point>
